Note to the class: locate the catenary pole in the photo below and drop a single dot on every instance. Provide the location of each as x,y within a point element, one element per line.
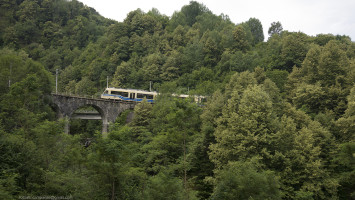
<point>56,81</point>
<point>10,75</point>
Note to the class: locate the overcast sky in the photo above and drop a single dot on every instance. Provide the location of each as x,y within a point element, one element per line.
<point>309,16</point>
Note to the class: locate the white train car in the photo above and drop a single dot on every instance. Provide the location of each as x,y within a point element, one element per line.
<point>128,94</point>
<point>139,95</point>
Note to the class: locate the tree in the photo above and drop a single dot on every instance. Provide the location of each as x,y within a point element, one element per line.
<point>28,10</point>
<point>19,165</point>
<point>25,103</point>
<point>307,98</point>
<point>310,65</point>
<point>240,39</point>
<point>212,52</point>
<point>178,37</point>
<point>121,76</point>
<point>85,87</point>
<point>51,34</point>
<point>325,68</point>
<point>192,57</point>
<point>141,122</point>
<point>332,63</point>
<point>345,169</point>
<point>164,186</point>
<point>297,156</point>
<point>175,123</point>
<point>171,67</point>
<point>243,129</point>
<point>275,28</point>
<point>193,10</point>
<point>112,162</point>
<point>256,29</point>
<point>209,21</point>
<point>245,180</point>
<point>346,122</point>
<point>323,39</point>
<point>152,67</point>
<point>202,167</point>
<point>279,77</point>
<point>294,50</point>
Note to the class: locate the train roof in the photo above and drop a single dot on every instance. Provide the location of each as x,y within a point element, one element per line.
<point>128,89</point>
<point>152,92</point>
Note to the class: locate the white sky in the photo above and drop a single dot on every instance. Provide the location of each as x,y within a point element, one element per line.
<point>309,16</point>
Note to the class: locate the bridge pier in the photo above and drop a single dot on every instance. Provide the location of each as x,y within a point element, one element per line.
<point>67,125</point>
<point>105,125</point>
<point>104,129</point>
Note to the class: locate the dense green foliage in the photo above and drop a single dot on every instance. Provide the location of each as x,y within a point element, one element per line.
<point>279,122</point>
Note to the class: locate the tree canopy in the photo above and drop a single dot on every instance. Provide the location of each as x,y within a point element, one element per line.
<point>278,122</point>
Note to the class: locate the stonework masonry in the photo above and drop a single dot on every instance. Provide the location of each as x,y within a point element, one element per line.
<point>108,109</point>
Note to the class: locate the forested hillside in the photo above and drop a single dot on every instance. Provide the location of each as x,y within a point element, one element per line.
<point>279,121</point>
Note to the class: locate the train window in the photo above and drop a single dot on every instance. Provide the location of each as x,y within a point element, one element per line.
<point>124,94</point>
<point>147,96</point>
<point>132,95</point>
<point>140,96</point>
<point>202,100</point>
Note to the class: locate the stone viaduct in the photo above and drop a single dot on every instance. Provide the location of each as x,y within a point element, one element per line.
<point>108,109</point>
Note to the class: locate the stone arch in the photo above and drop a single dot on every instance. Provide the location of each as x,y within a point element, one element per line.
<point>97,108</point>
<point>79,104</point>
<point>56,110</point>
<point>73,115</point>
<point>108,109</point>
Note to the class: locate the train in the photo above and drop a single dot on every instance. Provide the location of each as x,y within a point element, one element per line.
<point>139,95</point>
